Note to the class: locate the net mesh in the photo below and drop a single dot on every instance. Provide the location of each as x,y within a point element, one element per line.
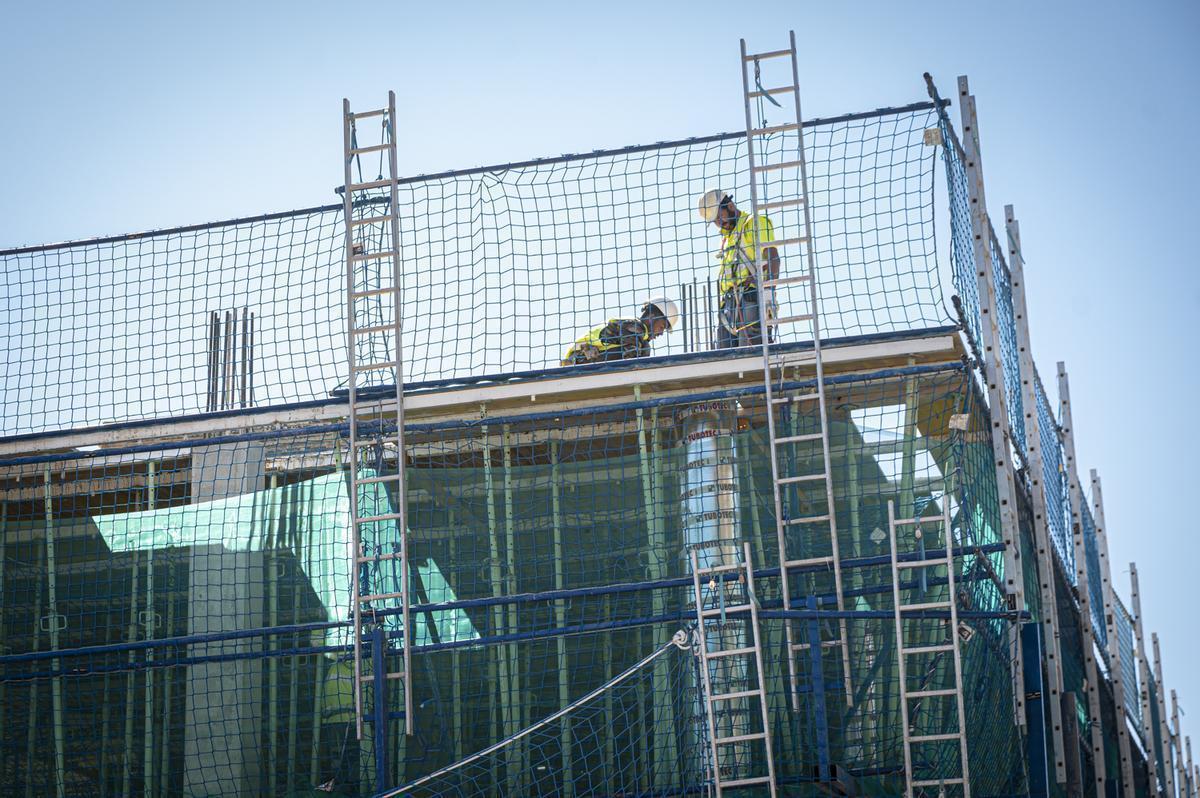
<point>504,267</point>
<point>201,589</point>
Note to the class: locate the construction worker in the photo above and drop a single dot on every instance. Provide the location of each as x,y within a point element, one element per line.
<point>625,338</point>
<point>743,240</point>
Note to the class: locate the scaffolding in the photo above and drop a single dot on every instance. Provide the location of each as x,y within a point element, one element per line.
<point>262,558</point>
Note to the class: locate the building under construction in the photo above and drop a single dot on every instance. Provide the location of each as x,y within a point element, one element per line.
<point>305,502</point>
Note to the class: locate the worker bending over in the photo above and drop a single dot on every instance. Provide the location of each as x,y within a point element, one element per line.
<point>743,248</point>
<point>620,339</point>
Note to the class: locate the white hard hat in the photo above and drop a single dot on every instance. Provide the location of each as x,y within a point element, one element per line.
<point>666,307</point>
<point>710,203</point>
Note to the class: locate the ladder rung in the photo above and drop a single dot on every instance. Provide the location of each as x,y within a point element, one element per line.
<point>379,597</point>
<point>384,478</point>
<point>929,605</point>
<point>808,519</point>
<point>395,555</point>
<point>824,644</point>
<point>800,278</point>
<point>373,518</point>
<point>920,563</point>
<point>915,521</point>
<point>732,696</point>
<point>370,184</point>
<point>786,242</point>
<point>371,292</point>
<point>364,442</point>
<point>812,436</point>
<point>369,114</point>
<point>788,203</point>
<point>930,693</point>
<point>738,738</point>
<point>730,652</point>
<point>802,397</point>
<point>377,329</point>
<point>719,569</point>
<point>807,561</point>
<point>771,54</point>
<point>387,253</point>
<point>935,782</point>
<point>372,220</point>
<point>716,612</point>
<point>771,167</point>
<point>775,322</point>
<point>749,782</point>
<point>933,738</point>
<point>383,364</point>
<point>801,478</point>
<point>370,677</point>
<point>767,92</point>
<point>762,131</point>
<point>372,148</point>
<point>928,649</point>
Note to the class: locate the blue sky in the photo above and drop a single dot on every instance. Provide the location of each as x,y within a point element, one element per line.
<point>131,116</point>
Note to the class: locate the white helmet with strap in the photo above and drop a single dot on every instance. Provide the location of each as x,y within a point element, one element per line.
<point>668,309</point>
<point>710,203</point>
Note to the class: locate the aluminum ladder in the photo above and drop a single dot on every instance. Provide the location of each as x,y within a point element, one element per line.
<point>916,786</point>
<point>725,605</point>
<point>374,357</point>
<point>778,397</point>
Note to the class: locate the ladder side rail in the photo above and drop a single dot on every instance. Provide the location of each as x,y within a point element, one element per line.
<point>355,536</point>
<point>1081,577</point>
<point>401,486</point>
<point>1036,474</point>
<point>1144,679</point>
<point>1114,644</point>
<point>1181,778</point>
<point>769,399</point>
<point>908,773</point>
<point>994,374</point>
<point>948,542</point>
<point>1164,728</point>
<point>758,665</point>
<point>814,310</point>
<point>704,676</point>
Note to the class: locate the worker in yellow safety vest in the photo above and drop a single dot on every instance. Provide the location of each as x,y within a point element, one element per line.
<point>743,253</point>
<point>620,339</point>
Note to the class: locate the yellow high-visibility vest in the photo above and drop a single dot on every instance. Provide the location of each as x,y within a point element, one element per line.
<point>593,337</point>
<point>741,251</point>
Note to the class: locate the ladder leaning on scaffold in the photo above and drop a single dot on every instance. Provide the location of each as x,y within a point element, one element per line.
<point>779,397</point>
<point>723,607</point>
<point>373,278</point>
<point>906,614</point>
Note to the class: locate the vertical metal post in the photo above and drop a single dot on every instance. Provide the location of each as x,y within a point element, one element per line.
<point>1148,732</point>
<point>1116,676</point>
<point>31,727</point>
<point>164,769</point>
<point>1081,578</point>
<point>1036,474</point>
<point>995,377</point>
<point>53,617</point>
<point>4,603</point>
<point>560,620</point>
<point>1164,730</point>
<point>1074,783</point>
<point>500,682</point>
<point>271,586</point>
<point>294,681</point>
<point>820,715</point>
<point>148,707</point>
<point>645,466</point>
<point>1035,739</point>
<point>1181,777</point>
<point>517,713</point>
<point>379,704</point>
